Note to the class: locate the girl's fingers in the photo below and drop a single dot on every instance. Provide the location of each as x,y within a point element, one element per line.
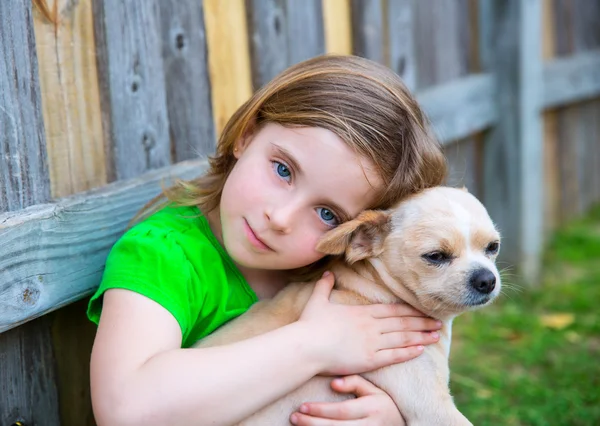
<point>387,357</point>
<point>356,385</point>
<point>299,419</point>
<point>408,324</point>
<point>394,310</point>
<point>324,286</point>
<point>351,409</point>
<point>406,339</point>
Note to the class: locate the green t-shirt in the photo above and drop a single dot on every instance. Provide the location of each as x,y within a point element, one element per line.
<point>173,258</point>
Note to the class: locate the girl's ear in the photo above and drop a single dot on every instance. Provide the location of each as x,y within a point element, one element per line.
<point>242,143</point>
<point>359,238</point>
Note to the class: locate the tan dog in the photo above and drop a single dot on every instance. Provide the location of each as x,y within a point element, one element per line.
<point>434,251</point>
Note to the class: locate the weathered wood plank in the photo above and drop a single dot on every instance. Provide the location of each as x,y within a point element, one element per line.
<point>53,254</point>
<point>305,33</point>
<point>27,378</point>
<point>282,33</point>
<point>23,164</point>
<point>401,43</point>
<point>228,57</point>
<point>513,151</point>
<point>531,146</point>
<point>128,38</point>
<point>462,107</point>
<point>571,79</point>
<point>70,97</point>
<point>576,33</point>
<point>368,38</point>
<point>551,157</point>
<point>187,81</point>
<point>337,24</point>
<point>75,144</point>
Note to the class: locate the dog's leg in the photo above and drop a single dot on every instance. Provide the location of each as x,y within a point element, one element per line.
<point>262,317</point>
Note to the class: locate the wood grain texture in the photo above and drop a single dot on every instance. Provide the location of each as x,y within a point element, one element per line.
<point>75,143</point>
<point>283,33</point>
<point>337,24</point>
<point>401,56</point>
<point>461,107</point>
<point>70,97</point>
<point>571,79</point>
<point>228,57</point>
<point>550,132</point>
<point>132,81</point>
<point>28,390</point>
<point>442,56</point>
<point>184,52</point>
<point>499,54</point>
<point>576,34</point>
<point>23,164</point>
<point>53,254</point>
<point>368,36</point>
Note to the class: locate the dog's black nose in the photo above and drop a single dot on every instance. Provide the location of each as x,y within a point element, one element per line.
<point>483,280</point>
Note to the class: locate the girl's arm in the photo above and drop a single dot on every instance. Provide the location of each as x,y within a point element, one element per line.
<point>140,376</point>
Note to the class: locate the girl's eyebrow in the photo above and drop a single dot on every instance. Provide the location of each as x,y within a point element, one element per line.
<point>296,166</point>
<point>288,157</point>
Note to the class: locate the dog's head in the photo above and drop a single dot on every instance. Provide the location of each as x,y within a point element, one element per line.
<point>440,245</point>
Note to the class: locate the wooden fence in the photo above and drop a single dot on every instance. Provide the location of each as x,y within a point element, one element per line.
<point>101,99</point>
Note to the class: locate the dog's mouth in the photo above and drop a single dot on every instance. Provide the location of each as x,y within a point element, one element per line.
<point>464,302</point>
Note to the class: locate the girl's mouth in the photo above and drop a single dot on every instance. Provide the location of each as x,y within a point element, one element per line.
<point>253,238</point>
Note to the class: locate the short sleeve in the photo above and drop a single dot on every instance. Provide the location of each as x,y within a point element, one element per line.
<point>151,263</point>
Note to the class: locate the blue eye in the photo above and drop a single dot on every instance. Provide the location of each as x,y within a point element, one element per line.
<point>327,216</point>
<point>282,170</point>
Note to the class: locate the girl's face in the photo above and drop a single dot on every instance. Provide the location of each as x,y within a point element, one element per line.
<point>288,187</point>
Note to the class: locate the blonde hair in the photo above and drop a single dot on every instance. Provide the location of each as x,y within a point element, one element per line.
<point>364,103</point>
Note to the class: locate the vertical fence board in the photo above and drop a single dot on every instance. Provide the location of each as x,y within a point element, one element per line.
<point>24,172</point>
<point>551,158</point>
<point>513,151</point>
<point>70,97</point>
<point>267,30</point>
<point>71,103</point>
<point>499,28</point>
<point>305,35</point>
<point>128,38</point>
<point>576,26</point>
<point>337,26</point>
<point>531,148</point>
<point>443,55</point>
<point>274,26</point>
<point>368,37</point>
<point>27,377</point>
<point>401,40</point>
<point>228,58</point>
<point>187,82</point>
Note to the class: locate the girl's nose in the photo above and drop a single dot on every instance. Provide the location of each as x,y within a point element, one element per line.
<point>280,218</point>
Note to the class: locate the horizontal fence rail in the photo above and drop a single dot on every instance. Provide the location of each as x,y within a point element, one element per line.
<point>53,254</point>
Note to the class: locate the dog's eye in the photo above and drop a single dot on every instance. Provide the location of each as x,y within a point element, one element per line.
<point>492,247</point>
<point>437,257</point>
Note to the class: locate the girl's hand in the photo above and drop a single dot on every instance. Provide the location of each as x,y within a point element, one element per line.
<point>372,407</point>
<point>348,339</point>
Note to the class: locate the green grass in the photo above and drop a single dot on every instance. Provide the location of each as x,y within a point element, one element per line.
<point>511,367</point>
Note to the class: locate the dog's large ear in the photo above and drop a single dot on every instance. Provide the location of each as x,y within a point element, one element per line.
<point>358,238</point>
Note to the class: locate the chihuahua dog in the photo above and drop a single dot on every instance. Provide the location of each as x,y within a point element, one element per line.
<point>434,251</point>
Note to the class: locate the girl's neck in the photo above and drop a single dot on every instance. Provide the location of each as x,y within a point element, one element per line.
<point>265,283</point>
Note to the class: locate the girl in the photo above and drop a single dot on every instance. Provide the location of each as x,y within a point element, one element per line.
<point>324,140</point>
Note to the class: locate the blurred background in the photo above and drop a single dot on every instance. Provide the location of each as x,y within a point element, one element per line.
<point>100,91</point>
